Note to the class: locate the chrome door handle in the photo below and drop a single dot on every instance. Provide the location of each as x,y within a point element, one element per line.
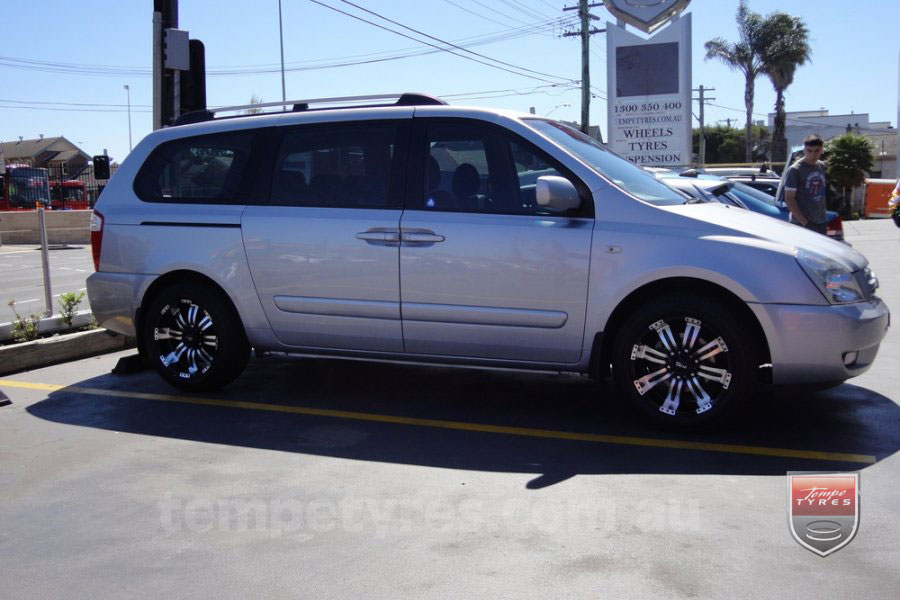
<point>422,238</point>
<point>379,236</point>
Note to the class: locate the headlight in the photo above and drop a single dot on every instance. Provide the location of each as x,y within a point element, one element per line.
<point>837,283</point>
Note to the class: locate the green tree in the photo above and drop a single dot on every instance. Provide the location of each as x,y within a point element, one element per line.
<point>785,47</point>
<point>849,158</point>
<point>726,144</point>
<point>746,56</point>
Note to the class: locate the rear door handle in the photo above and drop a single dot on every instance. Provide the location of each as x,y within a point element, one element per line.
<point>421,237</point>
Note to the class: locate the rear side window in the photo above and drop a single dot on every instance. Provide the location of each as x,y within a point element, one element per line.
<point>338,166</point>
<point>207,169</point>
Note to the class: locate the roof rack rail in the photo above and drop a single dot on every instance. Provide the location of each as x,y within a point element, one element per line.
<point>405,99</point>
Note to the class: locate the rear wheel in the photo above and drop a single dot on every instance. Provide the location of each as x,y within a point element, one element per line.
<point>194,337</point>
<point>684,361</point>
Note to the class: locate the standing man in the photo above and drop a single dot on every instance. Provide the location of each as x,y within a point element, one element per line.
<point>804,187</point>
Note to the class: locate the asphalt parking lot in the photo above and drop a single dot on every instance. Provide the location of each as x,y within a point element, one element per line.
<point>327,478</point>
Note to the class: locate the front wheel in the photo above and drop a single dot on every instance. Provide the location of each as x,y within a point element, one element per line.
<point>684,361</point>
<point>194,337</point>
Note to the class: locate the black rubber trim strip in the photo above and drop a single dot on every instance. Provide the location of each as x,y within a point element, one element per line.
<point>182,224</point>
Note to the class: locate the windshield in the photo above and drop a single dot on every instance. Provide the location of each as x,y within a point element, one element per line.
<point>619,171</point>
<point>28,187</point>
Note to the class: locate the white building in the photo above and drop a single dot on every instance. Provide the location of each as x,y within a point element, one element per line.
<point>882,135</point>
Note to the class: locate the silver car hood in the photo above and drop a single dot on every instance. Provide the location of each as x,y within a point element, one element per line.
<point>744,223</point>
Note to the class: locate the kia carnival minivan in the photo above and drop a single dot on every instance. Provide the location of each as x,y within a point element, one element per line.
<point>431,233</point>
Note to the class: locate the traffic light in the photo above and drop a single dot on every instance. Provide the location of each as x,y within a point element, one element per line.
<point>193,82</point>
<point>101,166</point>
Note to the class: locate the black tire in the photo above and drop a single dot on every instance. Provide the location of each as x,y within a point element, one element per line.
<point>685,362</point>
<point>194,337</point>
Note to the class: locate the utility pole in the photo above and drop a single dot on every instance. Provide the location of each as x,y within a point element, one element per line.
<point>703,100</point>
<point>165,16</point>
<point>728,122</point>
<point>585,34</point>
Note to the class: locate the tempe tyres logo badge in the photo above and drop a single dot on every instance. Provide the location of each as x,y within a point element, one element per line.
<point>823,511</point>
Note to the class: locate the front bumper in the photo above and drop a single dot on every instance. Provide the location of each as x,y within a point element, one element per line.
<point>115,298</point>
<point>809,344</point>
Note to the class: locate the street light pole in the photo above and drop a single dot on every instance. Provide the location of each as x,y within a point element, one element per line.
<point>128,94</point>
<point>281,41</point>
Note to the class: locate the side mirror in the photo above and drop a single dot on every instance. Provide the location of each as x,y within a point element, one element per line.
<point>556,193</point>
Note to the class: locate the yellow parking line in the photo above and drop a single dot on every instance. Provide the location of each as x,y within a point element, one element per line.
<point>31,386</point>
<point>460,425</point>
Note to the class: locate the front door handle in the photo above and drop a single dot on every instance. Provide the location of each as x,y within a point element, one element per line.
<point>379,236</point>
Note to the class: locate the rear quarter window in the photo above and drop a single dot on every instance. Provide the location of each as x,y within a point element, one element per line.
<point>205,169</point>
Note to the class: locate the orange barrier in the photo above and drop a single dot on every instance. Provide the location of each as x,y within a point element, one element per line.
<point>878,192</point>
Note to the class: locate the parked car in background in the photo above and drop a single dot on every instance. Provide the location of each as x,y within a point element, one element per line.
<point>413,230</point>
<point>767,184</point>
<point>737,193</point>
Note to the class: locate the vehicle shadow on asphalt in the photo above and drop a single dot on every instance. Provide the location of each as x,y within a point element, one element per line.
<point>846,419</point>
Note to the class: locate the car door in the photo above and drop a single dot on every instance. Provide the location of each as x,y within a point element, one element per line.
<point>324,252</point>
<point>485,272</point>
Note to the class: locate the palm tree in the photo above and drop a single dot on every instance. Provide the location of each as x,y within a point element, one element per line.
<point>746,56</point>
<point>786,48</point>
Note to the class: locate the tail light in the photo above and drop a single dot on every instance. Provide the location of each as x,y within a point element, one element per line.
<point>96,237</point>
<point>835,228</point>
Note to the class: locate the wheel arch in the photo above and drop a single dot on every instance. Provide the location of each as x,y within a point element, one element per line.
<point>603,343</point>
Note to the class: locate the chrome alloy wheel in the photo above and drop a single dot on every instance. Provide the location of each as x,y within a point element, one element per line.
<point>186,339</point>
<point>681,366</point>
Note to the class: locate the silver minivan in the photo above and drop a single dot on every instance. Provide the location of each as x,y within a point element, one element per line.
<point>431,233</point>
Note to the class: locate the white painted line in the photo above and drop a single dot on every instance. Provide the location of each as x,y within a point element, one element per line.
<point>26,301</point>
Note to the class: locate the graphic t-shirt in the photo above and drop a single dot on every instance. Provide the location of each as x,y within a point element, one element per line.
<point>809,181</point>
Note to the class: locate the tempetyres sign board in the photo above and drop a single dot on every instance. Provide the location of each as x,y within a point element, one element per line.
<point>649,90</point>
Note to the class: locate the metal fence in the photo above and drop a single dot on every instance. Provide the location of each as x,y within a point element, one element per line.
<point>61,175</point>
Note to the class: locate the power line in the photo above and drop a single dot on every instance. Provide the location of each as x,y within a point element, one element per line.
<point>308,65</point>
<point>522,8</point>
<point>437,39</point>
<point>504,15</point>
<point>803,121</point>
<point>73,103</point>
<point>484,94</point>
<point>98,110</point>
<point>473,12</point>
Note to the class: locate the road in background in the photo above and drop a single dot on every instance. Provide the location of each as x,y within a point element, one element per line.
<point>22,280</point>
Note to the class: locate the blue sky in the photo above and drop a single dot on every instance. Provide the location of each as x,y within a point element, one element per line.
<point>98,46</point>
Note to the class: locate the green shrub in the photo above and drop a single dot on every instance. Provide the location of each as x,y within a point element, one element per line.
<point>25,329</point>
<point>68,306</point>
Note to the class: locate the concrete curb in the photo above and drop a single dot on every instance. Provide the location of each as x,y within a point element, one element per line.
<point>61,348</point>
